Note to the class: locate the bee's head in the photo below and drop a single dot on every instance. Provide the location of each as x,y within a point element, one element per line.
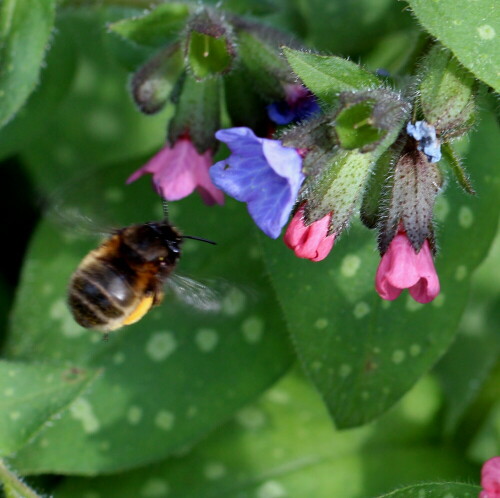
<point>155,241</point>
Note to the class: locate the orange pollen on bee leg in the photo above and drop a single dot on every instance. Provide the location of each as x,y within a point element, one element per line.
<point>141,309</point>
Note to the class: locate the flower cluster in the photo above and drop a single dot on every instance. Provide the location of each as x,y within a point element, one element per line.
<point>367,149</point>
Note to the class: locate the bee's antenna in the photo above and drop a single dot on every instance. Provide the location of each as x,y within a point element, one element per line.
<point>165,209</point>
<point>199,238</point>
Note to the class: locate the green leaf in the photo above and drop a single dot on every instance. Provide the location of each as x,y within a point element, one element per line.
<point>326,76</point>
<point>13,486</point>
<point>436,490</point>
<point>173,376</point>
<point>32,396</point>
<point>285,446</point>
<point>349,28</point>
<point>25,27</point>
<point>96,116</point>
<point>55,79</point>
<point>363,353</point>
<point>471,30</point>
<point>156,28</point>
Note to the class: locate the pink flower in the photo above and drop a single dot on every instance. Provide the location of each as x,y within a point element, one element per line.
<point>310,242</point>
<point>403,268</point>
<point>177,171</point>
<point>490,478</point>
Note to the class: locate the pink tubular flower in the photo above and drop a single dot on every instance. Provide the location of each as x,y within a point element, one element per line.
<point>310,242</point>
<point>180,169</point>
<point>490,478</point>
<point>402,268</point>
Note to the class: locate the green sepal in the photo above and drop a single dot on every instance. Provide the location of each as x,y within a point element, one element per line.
<point>457,168</point>
<point>267,69</point>
<point>366,117</point>
<point>337,190</point>
<point>209,46</point>
<point>354,126</point>
<point>447,93</point>
<point>373,195</point>
<point>156,28</point>
<point>197,112</point>
<point>327,76</point>
<point>409,197</point>
<point>152,83</point>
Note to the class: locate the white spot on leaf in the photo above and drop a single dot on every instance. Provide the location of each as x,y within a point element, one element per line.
<point>252,329</point>
<point>233,302</point>
<point>361,310</point>
<point>161,345</point>
<point>214,471</point>
<point>321,323</point>
<point>134,415</point>
<point>206,340</point>
<point>486,32</point>
<point>251,418</point>
<point>165,420</point>
<point>350,265</point>
<point>155,488</point>
<point>398,356</point>
<point>82,410</point>
<point>271,489</point>
<point>465,217</point>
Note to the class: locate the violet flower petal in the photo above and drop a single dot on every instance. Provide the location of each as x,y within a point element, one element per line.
<point>262,173</point>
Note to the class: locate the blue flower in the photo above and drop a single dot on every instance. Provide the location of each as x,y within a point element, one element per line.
<point>261,172</point>
<point>425,134</point>
<point>299,104</point>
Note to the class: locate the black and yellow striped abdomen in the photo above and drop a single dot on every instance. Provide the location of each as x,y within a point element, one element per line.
<point>117,283</point>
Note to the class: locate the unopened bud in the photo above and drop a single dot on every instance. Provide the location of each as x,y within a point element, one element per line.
<point>152,83</point>
<point>447,93</point>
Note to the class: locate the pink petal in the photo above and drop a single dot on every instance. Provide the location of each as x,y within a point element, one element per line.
<point>296,230</point>
<point>490,478</point>
<point>427,288</point>
<point>397,270</point>
<point>179,170</point>
<point>309,242</point>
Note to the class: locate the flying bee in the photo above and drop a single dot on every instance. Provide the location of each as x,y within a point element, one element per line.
<point>118,283</point>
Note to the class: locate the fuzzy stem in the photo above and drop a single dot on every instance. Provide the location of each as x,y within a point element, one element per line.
<point>13,482</point>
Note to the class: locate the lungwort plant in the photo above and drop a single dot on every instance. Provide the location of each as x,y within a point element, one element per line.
<point>343,156</point>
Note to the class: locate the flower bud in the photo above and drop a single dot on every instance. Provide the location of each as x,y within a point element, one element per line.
<point>409,199</point>
<point>209,45</point>
<point>447,93</point>
<point>152,83</point>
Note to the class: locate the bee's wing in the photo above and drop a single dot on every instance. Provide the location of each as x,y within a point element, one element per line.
<point>203,296</point>
<point>77,208</point>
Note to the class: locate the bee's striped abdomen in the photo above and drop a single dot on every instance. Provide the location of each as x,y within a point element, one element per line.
<point>101,296</point>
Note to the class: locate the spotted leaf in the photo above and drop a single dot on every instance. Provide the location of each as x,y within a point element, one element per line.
<point>173,376</point>
<point>32,396</point>
<point>254,456</point>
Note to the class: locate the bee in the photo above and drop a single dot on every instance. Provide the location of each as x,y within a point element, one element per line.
<point>117,283</point>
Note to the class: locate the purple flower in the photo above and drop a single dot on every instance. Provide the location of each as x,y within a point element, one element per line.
<point>261,172</point>
<point>299,104</point>
<point>425,135</point>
